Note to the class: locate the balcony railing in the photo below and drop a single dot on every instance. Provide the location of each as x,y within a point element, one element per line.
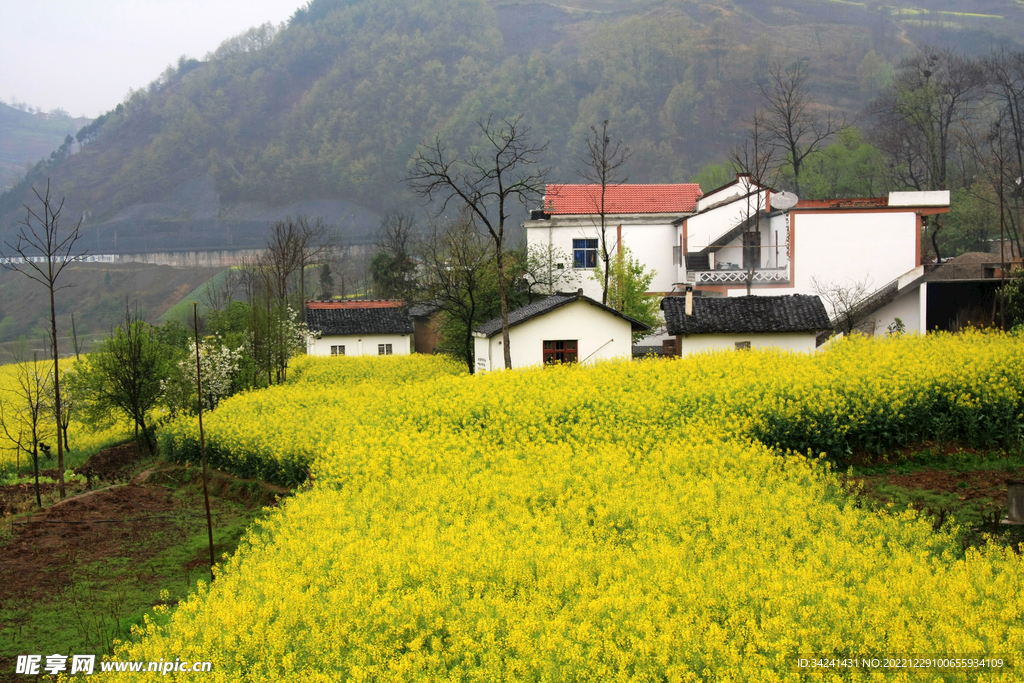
<point>734,276</point>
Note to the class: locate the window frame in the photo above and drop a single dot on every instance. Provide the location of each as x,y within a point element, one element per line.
<point>385,350</point>
<point>337,349</point>
<point>584,252</point>
<point>552,354</point>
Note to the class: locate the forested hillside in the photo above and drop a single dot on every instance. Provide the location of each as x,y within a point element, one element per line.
<point>323,114</point>
<point>28,136</point>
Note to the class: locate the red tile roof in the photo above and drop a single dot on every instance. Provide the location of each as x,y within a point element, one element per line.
<point>570,199</point>
<point>355,303</point>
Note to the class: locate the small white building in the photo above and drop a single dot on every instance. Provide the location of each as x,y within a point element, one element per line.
<point>564,328</point>
<point>358,328</point>
<point>790,323</point>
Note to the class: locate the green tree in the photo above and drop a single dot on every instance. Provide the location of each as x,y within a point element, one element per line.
<point>326,282</point>
<point>1015,299</point>
<point>123,376</point>
<point>628,283</point>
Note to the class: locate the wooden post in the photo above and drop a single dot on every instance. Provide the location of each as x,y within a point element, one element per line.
<point>202,436</point>
<point>1015,500</point>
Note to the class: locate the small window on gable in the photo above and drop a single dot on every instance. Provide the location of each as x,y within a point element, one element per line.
<point>559,351</point>
<point>740,346</point>
<point>584,253</point>
<point>383,349</point>
<point>338,350</point>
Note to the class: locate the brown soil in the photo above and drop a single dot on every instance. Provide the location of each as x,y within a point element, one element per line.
<point>966,485</point>
<point>111,463</point>
<point>37,560</point>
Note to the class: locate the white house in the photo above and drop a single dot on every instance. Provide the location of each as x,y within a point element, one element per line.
<point>789,322</point>
<point>742,235</point>
<point>564,328</point>
<point>639,216</point>
<point>358,328</point>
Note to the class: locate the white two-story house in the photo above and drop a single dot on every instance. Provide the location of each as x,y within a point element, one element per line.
<point>744,237</point>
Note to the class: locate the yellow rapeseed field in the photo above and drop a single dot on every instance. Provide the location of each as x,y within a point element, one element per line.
<point>625,522</point>
<point>82,438</point>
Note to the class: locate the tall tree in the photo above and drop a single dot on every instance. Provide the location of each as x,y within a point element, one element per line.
<point>504,168</point>
<point>791,120</point>
<point>918,121</point>
<point>1004,71</point>
<point>460,279</point>
<point>41,236</point>
<point>392,267</point>
<point>755,159</point>
<point>602,165</point>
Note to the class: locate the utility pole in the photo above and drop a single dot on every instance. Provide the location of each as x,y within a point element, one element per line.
<point>1002,238</point>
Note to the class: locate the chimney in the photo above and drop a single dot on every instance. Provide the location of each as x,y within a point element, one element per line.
<point>689,299</point>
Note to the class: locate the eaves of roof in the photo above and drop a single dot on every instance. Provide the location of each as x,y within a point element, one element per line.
<point>544,306</point>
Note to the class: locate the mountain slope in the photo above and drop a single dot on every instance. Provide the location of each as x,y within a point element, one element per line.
<point>323,116</point>
<point>26,138</point>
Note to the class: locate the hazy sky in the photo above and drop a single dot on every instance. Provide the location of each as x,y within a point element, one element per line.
<point>84,55</point>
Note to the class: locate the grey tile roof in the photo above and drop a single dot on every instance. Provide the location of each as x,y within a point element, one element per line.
<point>350,321</point>
<point>745,314</point>
<point>542,306</point>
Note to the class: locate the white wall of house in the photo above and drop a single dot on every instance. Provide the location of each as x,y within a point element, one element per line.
<point>600,335</point>
<point>907,307</point>
<point>361,345</point>
<point>704,228</point>
<point>845,248</point>
<point>804,342</point>
<point>650,238</point>
<point>651,245</point>
<point>738,189</point>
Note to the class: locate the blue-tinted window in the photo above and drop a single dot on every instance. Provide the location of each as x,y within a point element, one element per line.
<point>584,253</point>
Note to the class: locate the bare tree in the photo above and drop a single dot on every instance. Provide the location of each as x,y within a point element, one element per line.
<point>602,165</point>
<point>505,168</point>
<point>545,272</point>
<point>756,159</point>
<point>844,301</point>
<point>1005,82</point>
<point>790,118</point>
<point>40,237</point>
<point>313,245</point>
<point>22,416</point>
<point>219,292</point>
<point>392,267</point>
<point>916,120</point>
<point>458,277</point>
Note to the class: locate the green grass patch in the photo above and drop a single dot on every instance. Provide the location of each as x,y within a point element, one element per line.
<point>182,311</point>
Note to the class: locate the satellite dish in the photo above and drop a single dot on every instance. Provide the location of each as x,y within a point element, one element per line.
<point>784,200</point>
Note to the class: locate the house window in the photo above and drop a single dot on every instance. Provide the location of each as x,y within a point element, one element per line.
<point>383,349</point>
<point>584,253</point>
<point>740,346</point>
<point>338,350</point>
<point>560,351</point>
